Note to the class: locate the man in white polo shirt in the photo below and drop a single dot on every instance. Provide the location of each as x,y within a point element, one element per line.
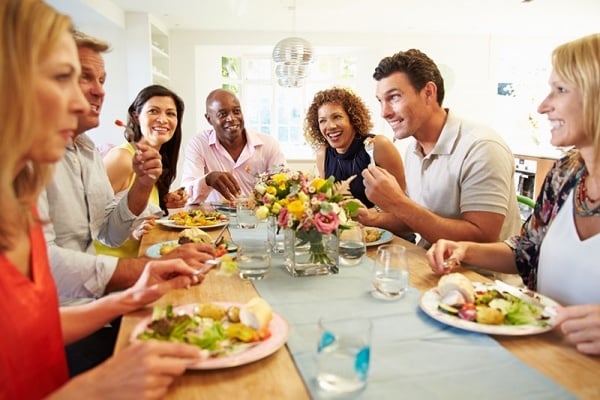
<point>459,175</point>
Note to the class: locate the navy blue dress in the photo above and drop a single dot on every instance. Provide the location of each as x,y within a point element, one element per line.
<point>352,162</point>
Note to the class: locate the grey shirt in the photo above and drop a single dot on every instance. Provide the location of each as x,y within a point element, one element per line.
<point>80,206</point>
<point>470,169</point>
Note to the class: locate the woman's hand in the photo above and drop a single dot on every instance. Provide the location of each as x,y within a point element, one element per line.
<point>581,326</point>
<point>177,199</point>
<point>159,277</point>
<point>147,163</point>
<point>445,254</point>
<point>143,370</point>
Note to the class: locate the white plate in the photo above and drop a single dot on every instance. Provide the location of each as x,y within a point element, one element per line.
<point>223,207</point>
<point>386,237</point>
<point>430,300</point>
<point>154,250</point>
<point>171,224</point>
<point>278,327</point>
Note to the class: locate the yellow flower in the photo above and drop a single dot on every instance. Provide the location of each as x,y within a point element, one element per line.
<point>296,208</point>
<point>280,179</point>
<point>271,190</point>
<point>262,212</point>
<point>317,183</point>
<point>303,197</point>
<point>276,208</point>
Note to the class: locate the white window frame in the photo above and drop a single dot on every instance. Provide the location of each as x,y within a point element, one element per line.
<point>296,148</point>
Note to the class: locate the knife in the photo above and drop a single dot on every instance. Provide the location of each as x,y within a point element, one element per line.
<point>505,287</point>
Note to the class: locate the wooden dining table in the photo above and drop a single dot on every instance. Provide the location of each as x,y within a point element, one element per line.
<point>276,376</point>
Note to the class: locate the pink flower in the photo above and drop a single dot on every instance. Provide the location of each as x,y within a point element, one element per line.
<point>326,223</point>
<point>283,217</point>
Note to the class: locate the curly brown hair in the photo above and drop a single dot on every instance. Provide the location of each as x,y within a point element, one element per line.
<point>359,114</point>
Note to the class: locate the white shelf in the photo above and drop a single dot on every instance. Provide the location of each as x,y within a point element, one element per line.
<point>159,42</point>
<point>156,52</point>
<point>148,45</point>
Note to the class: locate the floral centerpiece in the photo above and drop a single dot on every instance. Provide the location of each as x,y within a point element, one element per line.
<point>310,206</point>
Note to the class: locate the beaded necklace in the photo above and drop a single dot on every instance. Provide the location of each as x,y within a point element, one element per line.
<point>581,200</point>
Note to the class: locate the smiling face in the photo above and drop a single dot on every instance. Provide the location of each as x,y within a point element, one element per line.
<point>60,101</point>
<point>401,106</point>
<point>225,115</point>
<point>335,126</point>
<point>564,108</point>
<point>91,83</point>
<point>158,120</point>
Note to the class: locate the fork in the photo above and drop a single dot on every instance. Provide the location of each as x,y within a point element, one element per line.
<point>450,263</point>
<point>369,148</point>
<point>211,263</point>
<point>219,237</point>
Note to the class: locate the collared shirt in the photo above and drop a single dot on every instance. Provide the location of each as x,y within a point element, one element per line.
<point>469,169</point>
<point>80,206</point>
<point>205,154</point>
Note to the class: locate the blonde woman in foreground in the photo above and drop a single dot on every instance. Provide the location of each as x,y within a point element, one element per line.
<point>39,105</point>
<point>556,252</point>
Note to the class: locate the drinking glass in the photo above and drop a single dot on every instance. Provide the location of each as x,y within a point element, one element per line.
<point>390,272</point>
<point>352,245</point>
<point>343,355</point>
<point>246,216</point>
<point>253,259</point>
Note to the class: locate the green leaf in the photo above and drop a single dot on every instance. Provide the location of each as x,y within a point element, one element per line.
<point>351,208</point>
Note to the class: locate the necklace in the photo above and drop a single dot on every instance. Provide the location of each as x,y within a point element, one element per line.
<point>584,190</point>
<point>581,200</point>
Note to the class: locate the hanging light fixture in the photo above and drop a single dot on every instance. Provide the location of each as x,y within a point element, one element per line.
<point>292,56</point>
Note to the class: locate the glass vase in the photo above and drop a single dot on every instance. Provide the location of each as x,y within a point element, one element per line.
<point>309,253</point>
<point>275,235</point>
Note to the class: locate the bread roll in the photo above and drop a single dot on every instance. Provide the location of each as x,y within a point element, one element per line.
<point>194,235</point>
<point>456,282</point>
<point>256,314</point>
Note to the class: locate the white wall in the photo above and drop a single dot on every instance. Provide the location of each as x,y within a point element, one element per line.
<point>467,61</point>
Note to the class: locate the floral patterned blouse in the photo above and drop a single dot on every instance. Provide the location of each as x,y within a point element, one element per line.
<point>559,182</point>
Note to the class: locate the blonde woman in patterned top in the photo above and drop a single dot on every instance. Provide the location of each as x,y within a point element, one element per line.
<point>556,252</point>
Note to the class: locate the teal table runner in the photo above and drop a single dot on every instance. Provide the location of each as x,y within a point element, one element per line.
<point>412,355</point>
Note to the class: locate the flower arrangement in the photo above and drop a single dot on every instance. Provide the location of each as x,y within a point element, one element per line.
<point>311,206</point>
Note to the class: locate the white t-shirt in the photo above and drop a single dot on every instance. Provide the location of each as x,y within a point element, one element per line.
<point>569,270</point>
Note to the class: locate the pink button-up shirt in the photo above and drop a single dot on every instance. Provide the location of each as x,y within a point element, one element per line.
<point>205,154</point>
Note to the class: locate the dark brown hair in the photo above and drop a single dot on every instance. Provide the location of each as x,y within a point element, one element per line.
<point>417,66</point>
<point>359,114</point>
<point>168,151</point>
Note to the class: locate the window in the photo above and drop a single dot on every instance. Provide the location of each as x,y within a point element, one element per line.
<point>279,111</point>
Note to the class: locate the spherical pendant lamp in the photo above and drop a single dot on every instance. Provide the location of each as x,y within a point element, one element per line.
<point>292,56</point>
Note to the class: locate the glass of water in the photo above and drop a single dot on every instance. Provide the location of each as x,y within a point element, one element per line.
<point>352,245</point>
<point>253,259</point>
<point>343,355</point>
<point>390,272</point>
<point>246,213</point>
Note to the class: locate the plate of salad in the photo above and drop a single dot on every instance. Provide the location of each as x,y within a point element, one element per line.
<point>493,311</point>
<point>224,341</point>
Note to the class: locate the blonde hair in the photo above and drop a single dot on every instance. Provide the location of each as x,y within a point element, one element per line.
<point>29,32</point>
<point>578,64</point>
<point>90,42</point>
